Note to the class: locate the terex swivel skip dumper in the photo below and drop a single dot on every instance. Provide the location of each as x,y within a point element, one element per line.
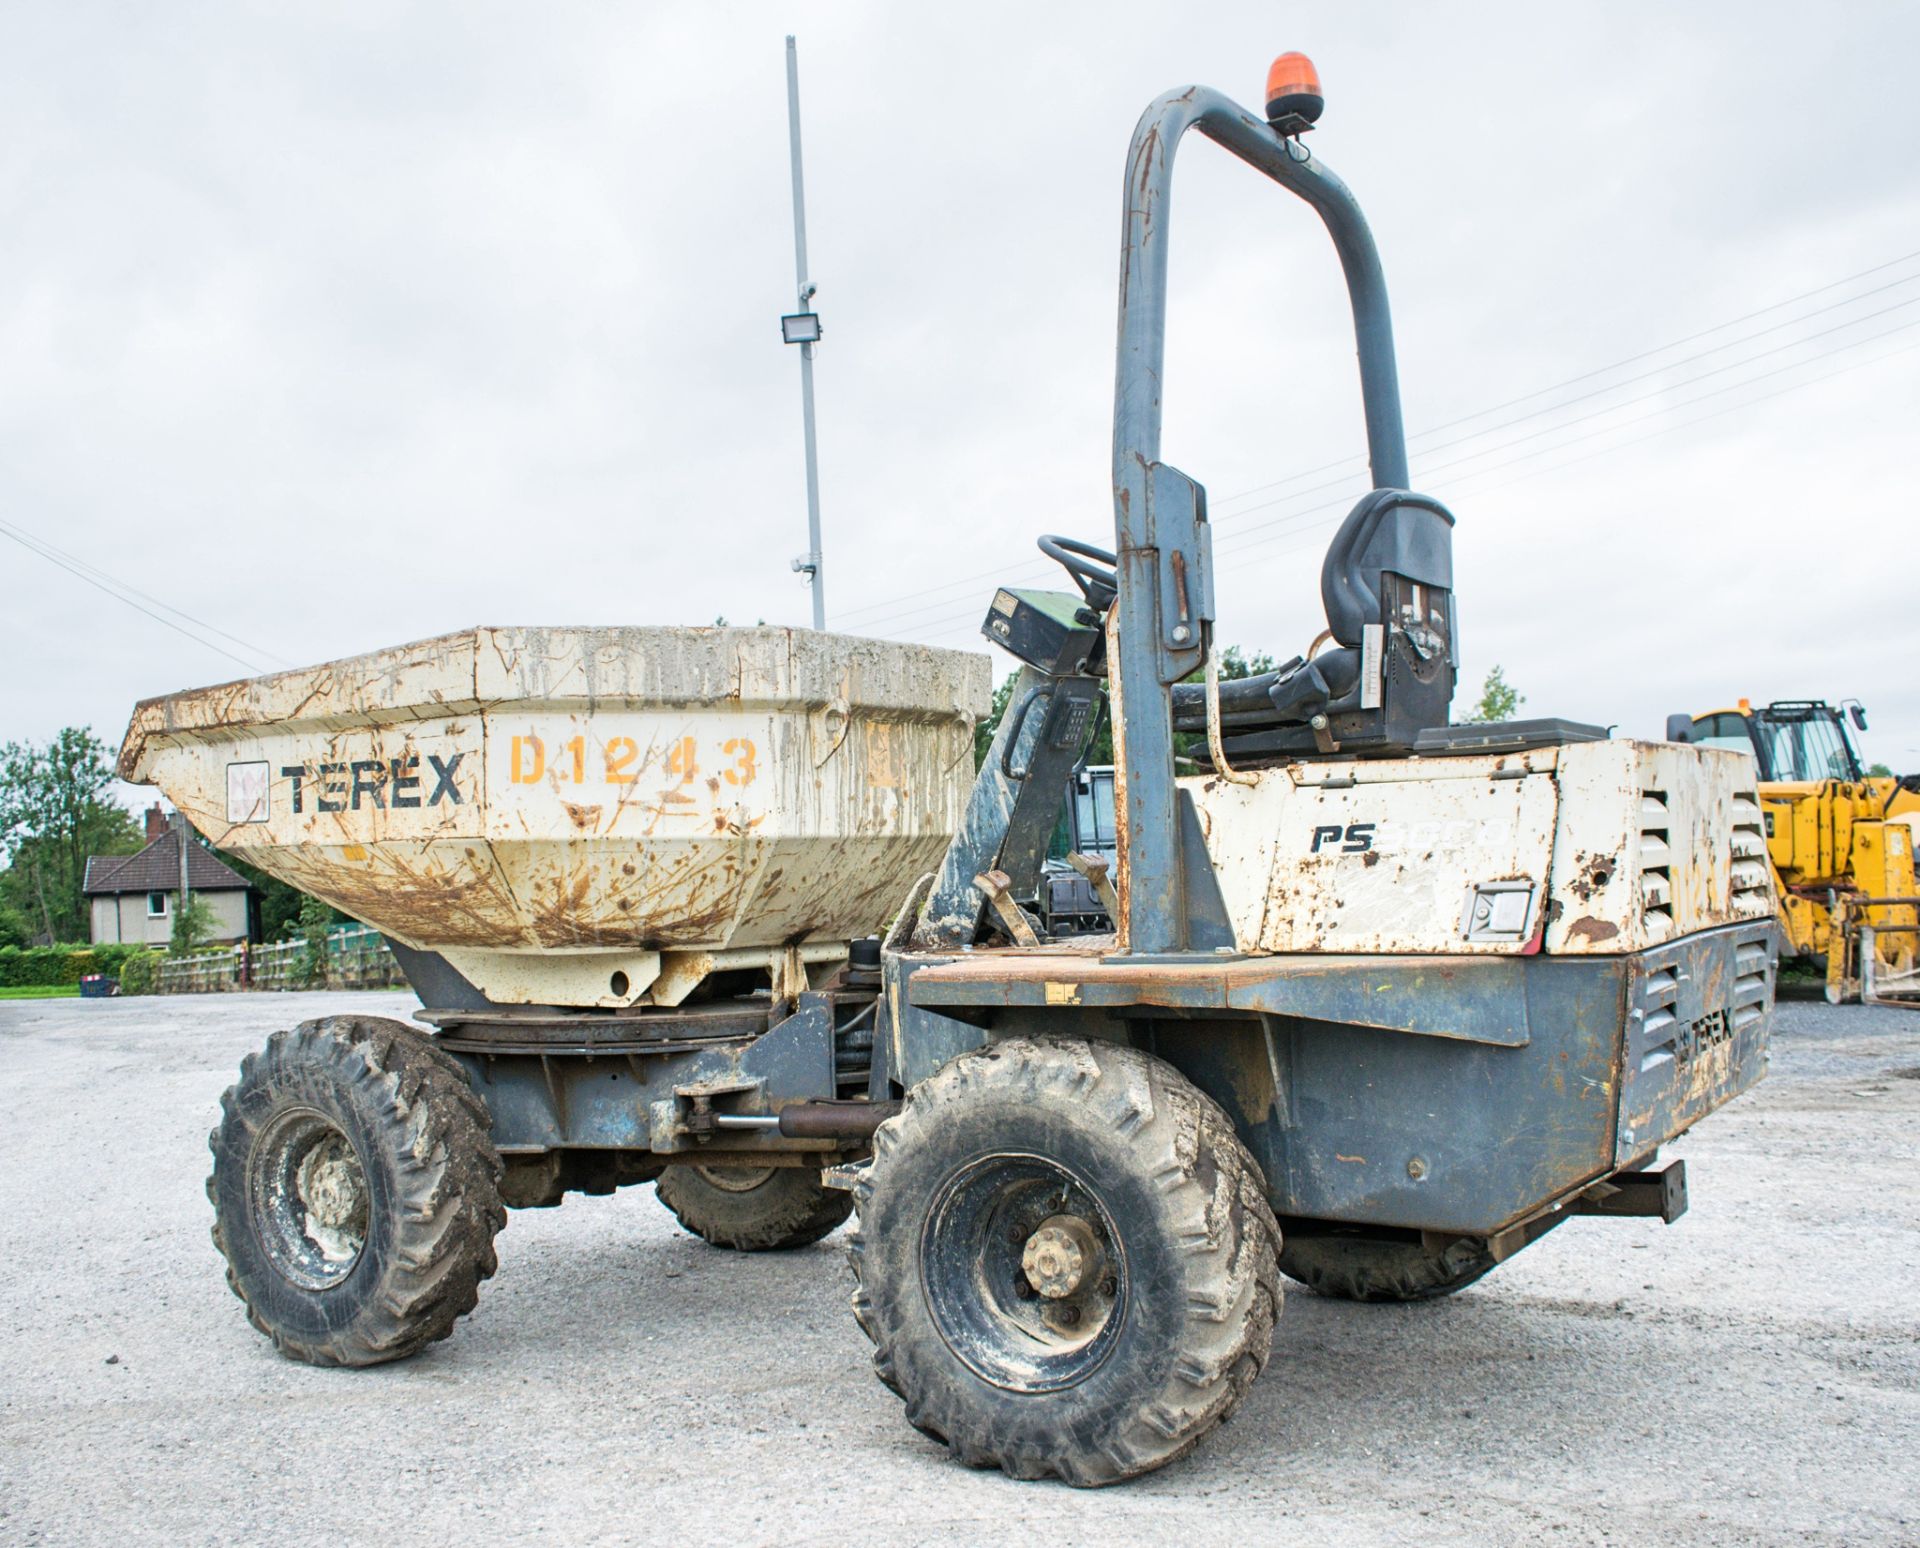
<point>729,911</point>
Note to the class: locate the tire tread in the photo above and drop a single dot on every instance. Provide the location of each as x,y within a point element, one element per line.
<point>447,1209</point>
<point>1218,1211</point>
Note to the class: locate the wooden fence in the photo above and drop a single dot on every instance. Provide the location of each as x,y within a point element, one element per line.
<point>356,958</point>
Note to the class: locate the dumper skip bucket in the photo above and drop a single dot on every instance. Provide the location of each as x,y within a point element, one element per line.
<point>588,816</point>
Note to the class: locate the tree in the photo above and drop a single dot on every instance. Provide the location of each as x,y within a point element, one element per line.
<point>316,923</point>
<point>1235,663</point>
<point>1879,771</point>
<point>54,812</point>
<point>1498,699</point>
<point>193,923</point>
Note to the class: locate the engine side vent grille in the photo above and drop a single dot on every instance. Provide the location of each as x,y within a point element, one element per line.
<point>1752,886</point>
<point>1752,983</point>
<point>1656,866</point>
<point>1658,1036</point>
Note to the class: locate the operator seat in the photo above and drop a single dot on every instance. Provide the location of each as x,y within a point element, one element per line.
<point>1387,586</point>
<point>1391,563</point>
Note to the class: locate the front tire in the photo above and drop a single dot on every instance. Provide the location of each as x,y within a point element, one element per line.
<point>753,1209</point>
<point>1353,1266</point>
<point>355,1190</point>
<point>1065,1260</point>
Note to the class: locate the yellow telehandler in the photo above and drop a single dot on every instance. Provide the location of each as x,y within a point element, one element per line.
<point>1840,842</point>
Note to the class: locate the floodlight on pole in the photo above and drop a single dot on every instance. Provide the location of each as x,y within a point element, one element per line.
<point>803,328</point>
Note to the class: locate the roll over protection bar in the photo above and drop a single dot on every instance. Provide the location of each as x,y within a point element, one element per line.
<point>1154,651</point>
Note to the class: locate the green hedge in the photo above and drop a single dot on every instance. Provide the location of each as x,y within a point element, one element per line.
<point>51,966</point>
<point>140,973</point>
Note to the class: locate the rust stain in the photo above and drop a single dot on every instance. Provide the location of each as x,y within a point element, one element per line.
<point>1592,873</point>
<point>513,878</point>
<point>1593,930</point>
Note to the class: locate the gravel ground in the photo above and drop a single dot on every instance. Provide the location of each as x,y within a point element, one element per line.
<point>1750,1375</point>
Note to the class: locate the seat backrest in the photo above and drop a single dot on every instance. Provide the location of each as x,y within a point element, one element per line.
<point>1389,530</point>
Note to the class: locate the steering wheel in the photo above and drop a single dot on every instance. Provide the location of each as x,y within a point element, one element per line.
<point>1092,569</point>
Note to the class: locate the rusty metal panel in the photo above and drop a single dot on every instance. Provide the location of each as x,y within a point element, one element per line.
<point>1602,847</point>
<point>1645,851</point>
<point>607,794</point>
<point>1379,856</point>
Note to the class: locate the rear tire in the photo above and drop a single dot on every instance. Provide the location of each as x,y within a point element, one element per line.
<point>1065,1260</point>
<point>355,1191</point>
<point>753,1209</point>
<point>1351,1266</point>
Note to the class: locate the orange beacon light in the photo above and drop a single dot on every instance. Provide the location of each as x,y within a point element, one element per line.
<point>1294,102</point>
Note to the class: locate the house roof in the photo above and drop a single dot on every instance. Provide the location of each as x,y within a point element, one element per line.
<point>157,869</point>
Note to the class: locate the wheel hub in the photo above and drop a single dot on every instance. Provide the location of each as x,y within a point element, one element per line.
<point>1024,1275</point>
<point>1061,1256</point>
<point>333,1189</point>
<point>309,1198</point>
<point>736,1179</point>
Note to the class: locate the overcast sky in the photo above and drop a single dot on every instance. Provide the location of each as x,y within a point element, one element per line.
<point>338,326</point>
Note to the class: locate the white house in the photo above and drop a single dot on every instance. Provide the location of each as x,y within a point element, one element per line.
<point>133,897</point>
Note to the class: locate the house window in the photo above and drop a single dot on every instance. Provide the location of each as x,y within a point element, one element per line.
<point>156,905</point>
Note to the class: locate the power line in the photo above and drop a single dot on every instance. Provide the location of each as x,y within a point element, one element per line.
<point>145,596</point>
<point>1745,381</point>
<point>1603,451</point>
<point>1600,413</point>
<point>1644,376</point>
<point>79,570</point>
<point>1648,354</point>
<point>1730,408</point>
<point>1572,381</point>
<point>1691,338</point>
<point>1239,541</point>
<point>949,620</point>
<point>900,604</point>
<point>1635,441</point>
<point>1289,518</point>
<point>1614,409</point>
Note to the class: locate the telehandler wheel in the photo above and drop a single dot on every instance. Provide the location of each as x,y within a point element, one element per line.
<point>1065,1260</point>
<point>1353,1266</point>
<point>355,1191</point>
<point>753,1208</point>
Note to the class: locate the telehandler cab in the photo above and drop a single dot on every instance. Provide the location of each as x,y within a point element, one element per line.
<point>1839,842</point>
<point>1387,999</point>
